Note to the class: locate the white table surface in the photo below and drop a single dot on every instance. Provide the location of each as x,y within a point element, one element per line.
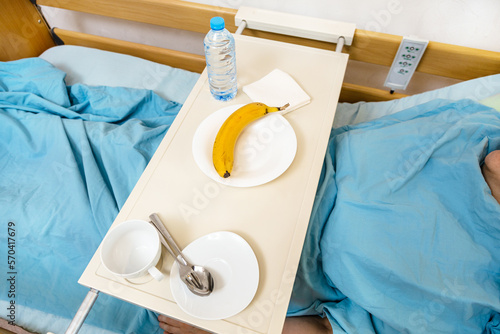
<point>272,217</point>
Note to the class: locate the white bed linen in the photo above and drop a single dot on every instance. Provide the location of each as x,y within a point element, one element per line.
<point>102,68</point>
<point>477,89</point>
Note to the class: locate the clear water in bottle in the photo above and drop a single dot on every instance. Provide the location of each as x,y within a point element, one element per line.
<point>221,60</point>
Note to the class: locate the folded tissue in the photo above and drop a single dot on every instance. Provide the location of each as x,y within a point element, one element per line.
<point>277,89</point>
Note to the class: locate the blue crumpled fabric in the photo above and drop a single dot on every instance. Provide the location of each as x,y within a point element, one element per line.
<point>405,234</point>
<point>69,158</point>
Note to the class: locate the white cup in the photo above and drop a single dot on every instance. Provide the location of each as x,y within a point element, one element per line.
<point>132,249</point>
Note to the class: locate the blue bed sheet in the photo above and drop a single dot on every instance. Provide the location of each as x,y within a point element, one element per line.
<point>405,234</point>
<point>69,157</point>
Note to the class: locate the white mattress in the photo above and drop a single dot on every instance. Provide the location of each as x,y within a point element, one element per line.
<point>102,68</point>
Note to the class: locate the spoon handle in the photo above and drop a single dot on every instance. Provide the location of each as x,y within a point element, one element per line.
<point>164,242</point>
<point>190,279</point>
<point>163,230</point>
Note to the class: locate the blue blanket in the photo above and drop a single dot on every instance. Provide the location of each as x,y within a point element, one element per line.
<point>405,234</point>
<point>69,157</point>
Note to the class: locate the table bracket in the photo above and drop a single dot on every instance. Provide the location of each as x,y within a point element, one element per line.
<point>319,29</point>
<point>82,312</point>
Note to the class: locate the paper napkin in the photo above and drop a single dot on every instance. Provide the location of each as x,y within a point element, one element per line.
<point>277,89</point>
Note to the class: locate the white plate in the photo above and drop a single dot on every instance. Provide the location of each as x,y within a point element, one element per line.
<point>234,267</point>
<point>264,150</point>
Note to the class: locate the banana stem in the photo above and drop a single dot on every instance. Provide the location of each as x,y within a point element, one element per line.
<point>284,107</point>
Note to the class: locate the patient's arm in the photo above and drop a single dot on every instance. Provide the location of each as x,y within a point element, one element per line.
<point>491,173</point>
<point>293,325</point>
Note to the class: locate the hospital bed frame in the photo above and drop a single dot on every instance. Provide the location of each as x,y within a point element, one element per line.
<point>24,33</point>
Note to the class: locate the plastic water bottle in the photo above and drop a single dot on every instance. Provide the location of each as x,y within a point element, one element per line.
<point>221,60</point>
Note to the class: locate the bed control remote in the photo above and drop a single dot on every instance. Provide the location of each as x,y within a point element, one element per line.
<point>406,61</point>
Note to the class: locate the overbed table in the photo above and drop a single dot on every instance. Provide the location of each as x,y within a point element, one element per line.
<point>272,217</point>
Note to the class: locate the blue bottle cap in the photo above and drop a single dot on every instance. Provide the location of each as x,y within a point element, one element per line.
<point>217,23</point>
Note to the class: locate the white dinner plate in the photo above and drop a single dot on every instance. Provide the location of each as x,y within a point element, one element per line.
<point>264,150</point>
<point>235,269</point>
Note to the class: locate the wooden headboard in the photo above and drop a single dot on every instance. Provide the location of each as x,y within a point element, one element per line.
<point>23,33</point>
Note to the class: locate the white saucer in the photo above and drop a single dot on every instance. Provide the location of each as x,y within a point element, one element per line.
<point>234,267</point>
<point>264,150</point>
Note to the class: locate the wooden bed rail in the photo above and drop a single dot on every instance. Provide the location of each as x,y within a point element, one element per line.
<point>167,13</point>
<point>186,61</point>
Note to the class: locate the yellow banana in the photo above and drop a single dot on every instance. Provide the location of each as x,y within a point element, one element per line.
<point>223,151</point>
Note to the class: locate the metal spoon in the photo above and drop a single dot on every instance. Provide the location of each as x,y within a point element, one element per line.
<point>190,279</point>
<point>197,278</point>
